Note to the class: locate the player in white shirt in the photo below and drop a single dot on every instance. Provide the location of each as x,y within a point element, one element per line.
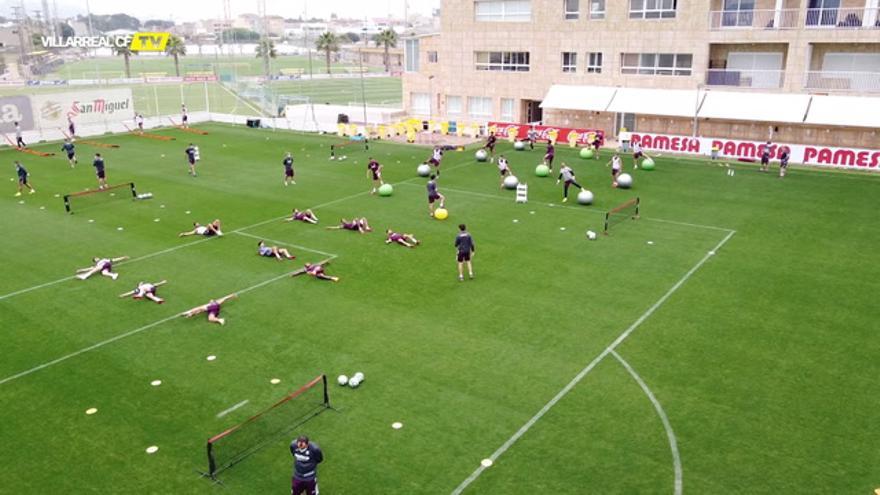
<point>503,169</point>
<point>104,266</point>
<point>145,290</point>
<point>434,161</point>
<point>616,167</point>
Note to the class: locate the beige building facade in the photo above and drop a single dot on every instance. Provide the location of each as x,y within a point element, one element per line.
<point>497,59</point>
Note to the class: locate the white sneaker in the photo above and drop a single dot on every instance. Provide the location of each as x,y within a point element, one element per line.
<point>114,276</point>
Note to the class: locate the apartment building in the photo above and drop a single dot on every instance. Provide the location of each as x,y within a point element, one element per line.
<point>724,68</point>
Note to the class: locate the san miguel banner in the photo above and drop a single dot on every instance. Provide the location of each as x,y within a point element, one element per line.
<point>734,149</point>
<point>575,137</point>
<point>85,107</point>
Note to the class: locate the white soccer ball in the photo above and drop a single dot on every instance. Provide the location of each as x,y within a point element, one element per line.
<point>591,235</point>
<point>624,181</point>
<point>342,380</point>
<point>510,182</point>
<point>585,197</point>
<point>354,383</point>
<point>358,376</point>
<point>519,145</point>
<point>423,170</point>
<point>481,155</point>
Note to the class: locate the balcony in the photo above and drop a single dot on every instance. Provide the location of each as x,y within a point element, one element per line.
<point>754,19</point>
<point>767,79</point>
<point>843,81</point>
<point>843,18</point>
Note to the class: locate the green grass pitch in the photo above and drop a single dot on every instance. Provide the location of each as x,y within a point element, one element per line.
<point>762,356</point>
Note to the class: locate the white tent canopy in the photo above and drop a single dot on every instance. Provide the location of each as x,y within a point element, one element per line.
<point>589,98</point>
<point>857,111</point>
<point>666,102</point>
<point>762,107</point>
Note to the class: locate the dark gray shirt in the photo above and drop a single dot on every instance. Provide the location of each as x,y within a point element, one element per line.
<point>464,242</point>
<point>305,465</point>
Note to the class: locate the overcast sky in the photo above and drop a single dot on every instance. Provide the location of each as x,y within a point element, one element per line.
<point>190,10</point>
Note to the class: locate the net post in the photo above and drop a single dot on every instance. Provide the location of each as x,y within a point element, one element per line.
<point>638,202</point>
<point>212,464</point>
<point>67,203</point>
<point>366,144</point>
<point>134,193</point>
<point>607,214</point>
<point>326,391</point>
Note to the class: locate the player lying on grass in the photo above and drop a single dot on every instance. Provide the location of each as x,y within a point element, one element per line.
<point>566,174</point>
<point>302,216</point>
<point>434,161</point>
<point>404,239</point>
<point>315,270</point>
<point>374,170</point>
<point>104,266</point>
<point>503,169</point>
<point>434,195</point>
<point>616,167</point>
<point>209,230</point>
<point>273,251</point>
<point>146,290</point>
<point>22,179</point>
<point>357,224</point>
<point>212,308</point>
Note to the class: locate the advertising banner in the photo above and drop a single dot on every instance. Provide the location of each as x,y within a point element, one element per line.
<point>561,135</point>
<point>84,107</point>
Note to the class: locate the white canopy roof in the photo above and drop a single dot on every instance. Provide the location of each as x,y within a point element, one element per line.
<point>858,111</point>
<point>591,98</point>
<point>763,107</point>
<point>647,101</point>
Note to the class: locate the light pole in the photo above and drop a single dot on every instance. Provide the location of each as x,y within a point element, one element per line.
<point>431,107</point>
<point>363,91</point>
<point>696,110</point>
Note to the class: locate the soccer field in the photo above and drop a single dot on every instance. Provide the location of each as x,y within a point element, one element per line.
<point>724,342</point>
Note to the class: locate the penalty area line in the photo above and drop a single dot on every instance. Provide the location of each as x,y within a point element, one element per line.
<point>233,408</point>
<point>301,248</point>
<point>584,372</point>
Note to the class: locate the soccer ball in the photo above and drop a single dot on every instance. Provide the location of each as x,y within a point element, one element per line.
<point>481,155</point>
<point>441,214</point>
<point>423,170</point>
<point>591,235</point>
<point>358,376</point>
<point>354,383</point>
<point>342,380</point>
<point>510,182</point>
<point>624,181</point>
<point>519,145</point>
<point>585,197</point>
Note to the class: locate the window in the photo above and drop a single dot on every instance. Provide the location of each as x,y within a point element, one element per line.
<point>569,62</point>
<point>453,105</point>
<point>594,63</point>
<point>661,64</point>
<point>597,9</point>
<point>432,57</point>
<point>507,105</point>
<point>411,54</point>
<point>822,12</point>
<point>506,61</point>
<point>503,10</point>
<point>738,13</point>
<point>420,103</point>
<point>652,9</point>
<point>572,9</point>
<point>479,106</point>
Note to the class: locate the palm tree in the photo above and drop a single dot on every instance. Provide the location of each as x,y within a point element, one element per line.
<point>266,49</point>
<point>126,53</point>
<point>176,49</point>
<point>329,43</point>
<point>388,38</point>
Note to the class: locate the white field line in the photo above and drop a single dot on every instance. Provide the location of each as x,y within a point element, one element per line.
<point>233,408</point>
<point>297,246</point>
<point>580,376</point>
<point>126,334</point>
<point>589,210</point>
<point>670,434</point>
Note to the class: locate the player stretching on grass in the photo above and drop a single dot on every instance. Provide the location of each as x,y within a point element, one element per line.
<point>302,216</point>
<point>288,169</point>
<point>566,174</point>
<point>434,195</point>
<point>356,224</point>
<point>465,250</point>
<point>374,170</point>
<point>190,152</point>
<point>616,167</point>
<point>404,239</point>
<point>145,290</point>
<point>490,145</point>
<point>99,171</point>
<point>503,169</point>
<point>316,270</point>
<point>210,230</point>
<point>69,148</point>
<point>22,179</point>
<point>434,161</point>
<point>548,156</point>
<point>273,252</point>
<point>212,308</point>
<point>104,266</point>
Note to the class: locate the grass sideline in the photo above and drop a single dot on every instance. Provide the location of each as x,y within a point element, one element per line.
<point>762,363</point>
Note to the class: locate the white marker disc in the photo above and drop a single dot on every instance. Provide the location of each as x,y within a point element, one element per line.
<point>152,449</point>
<point>155,219</point>
<point>91,221</point>
<point>275,381</point>
<point>91,411</point>
<point>211,357</point>
<point>486,462</point>
<point>156,383</point>
<point>397,425</point>
<point>515,221</point>
<point>187,212</point>
<point>119,228</point>
<point>651,242</point>
<point>561,228</point>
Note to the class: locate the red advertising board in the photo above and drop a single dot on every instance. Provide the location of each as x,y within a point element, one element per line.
<point>563,135</point>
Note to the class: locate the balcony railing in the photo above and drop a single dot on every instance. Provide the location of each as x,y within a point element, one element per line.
<point>843,81</point>
<point>823,18</point>
<point>754,19</point>
<point>772,79</point>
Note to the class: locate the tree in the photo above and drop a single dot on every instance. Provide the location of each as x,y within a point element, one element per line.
<point>65,30</point>
<point>126,53</point>
<point>328,43</point>
<point>352,37</point>
<point>266,50</point>
<point>175,48</point>
<point>235,35</point>
<point>158,24</point>
<point>388,39</point>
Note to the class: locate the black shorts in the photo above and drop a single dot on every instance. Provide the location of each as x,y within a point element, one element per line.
<point>192,161</point>
<point>637,155</point>
<point>100,174</point>
<point>185,118</point>
<point>765,160</point>
<point>783,163</point>
<point>463,256</point>
<point>377,176</point>
<point>288,172</point>
<point>504,171</point>
<point>615,172</point>
<point>433,197</point>
<point>22,180</point>
<point>70,156</point>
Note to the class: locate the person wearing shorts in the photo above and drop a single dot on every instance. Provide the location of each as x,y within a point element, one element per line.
<point>465,250</point>
<point>434,195</point>
<point>212,309</point>
<point>306,457</point>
